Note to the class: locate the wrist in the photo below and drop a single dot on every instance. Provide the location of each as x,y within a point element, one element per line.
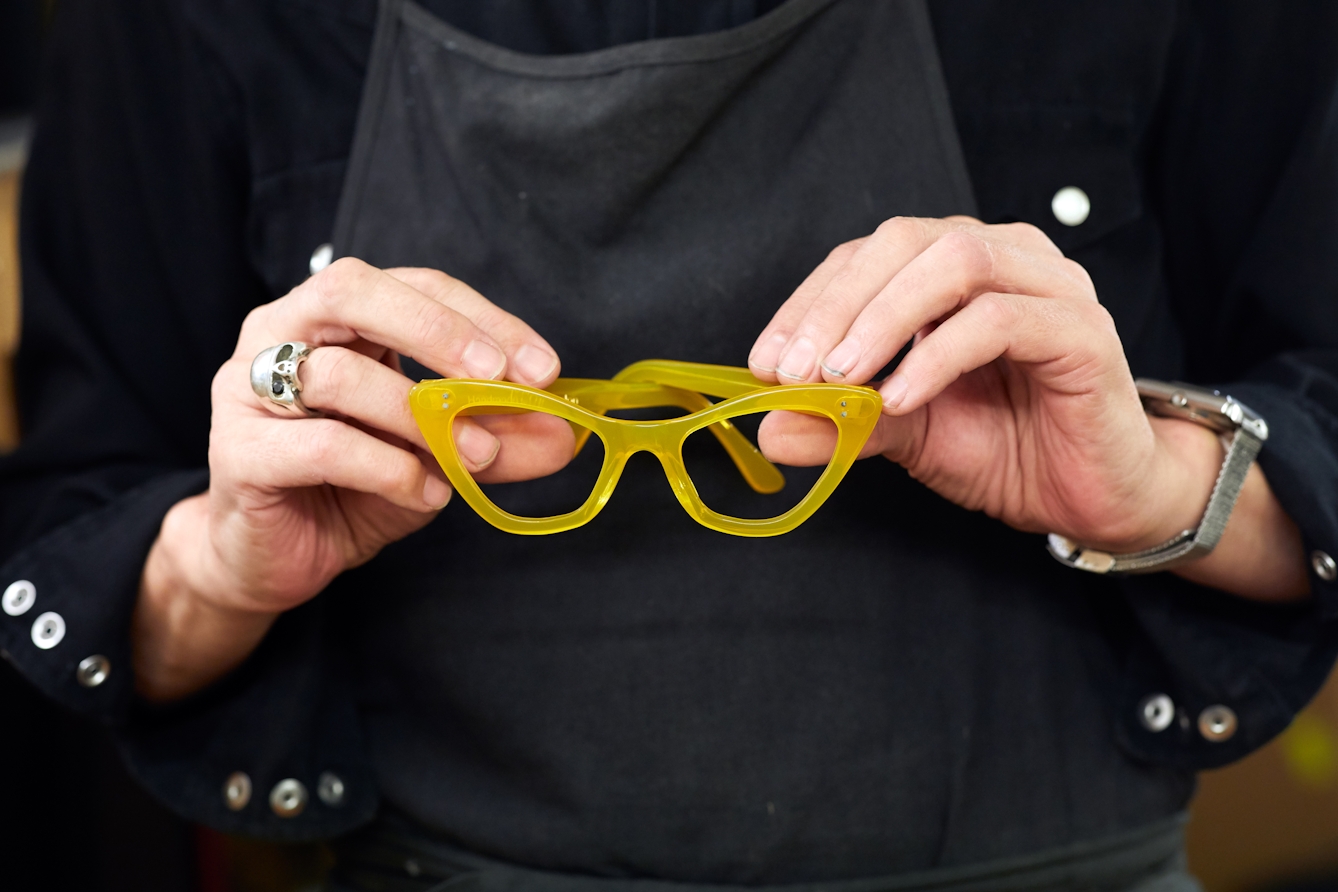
<point>1183,469</point>
<point>186,632</point>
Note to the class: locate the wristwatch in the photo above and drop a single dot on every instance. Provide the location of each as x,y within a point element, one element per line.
<point>1243,434</point>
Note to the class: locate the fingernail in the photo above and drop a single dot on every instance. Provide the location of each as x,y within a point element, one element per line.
<point>842,358</point>
<point>768,352</point>
<point>534,364</point>
<point>436,492</point>
<point>483,360</point>
<point>798,361</point>
<point>894,391</point>
<point>476,444</point>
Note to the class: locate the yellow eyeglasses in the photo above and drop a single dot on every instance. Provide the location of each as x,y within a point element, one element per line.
<point>733,489</point>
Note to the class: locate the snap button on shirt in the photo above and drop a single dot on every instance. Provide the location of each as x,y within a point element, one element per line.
<point>1217,723</point>
<point>237,790</point>
<point>19,597</point>
<point>330,789</point>
<point>1071,206</point>
<point>1156,712</point>
<point>1324,566</point>
<point>48,630</point>
<point>93,670</point>
<point>288,798</point>
<point>321,258</point>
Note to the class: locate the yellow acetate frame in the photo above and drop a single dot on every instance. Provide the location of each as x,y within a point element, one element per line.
<point>583,402</point>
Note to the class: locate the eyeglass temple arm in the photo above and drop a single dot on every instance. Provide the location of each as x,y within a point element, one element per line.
<point>602,397</point>
<point>716,380</point>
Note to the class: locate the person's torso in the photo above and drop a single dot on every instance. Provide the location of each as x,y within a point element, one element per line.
<point>899,683</point>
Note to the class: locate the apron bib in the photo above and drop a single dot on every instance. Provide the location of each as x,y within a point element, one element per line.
<point>657,199</point>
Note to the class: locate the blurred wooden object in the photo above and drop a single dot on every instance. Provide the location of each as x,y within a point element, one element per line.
<point>9,306</point>
<point>1272,817</point>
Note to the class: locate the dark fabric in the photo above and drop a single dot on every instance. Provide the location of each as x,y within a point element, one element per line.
<point>394,857</point>
<point>74,819</point>
<point>629,204</point>
<point>188,158</point>
<point>548,27</point>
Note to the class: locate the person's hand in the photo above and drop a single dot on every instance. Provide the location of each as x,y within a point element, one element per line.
<point>1015,398</point>
<point>293,502</point>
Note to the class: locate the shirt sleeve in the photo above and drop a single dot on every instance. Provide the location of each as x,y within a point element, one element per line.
<point>136,279</point>
<point>1247,184</point>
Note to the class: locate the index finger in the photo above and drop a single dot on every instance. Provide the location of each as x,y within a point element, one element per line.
<point>530,359</point>
<point>350,301</point>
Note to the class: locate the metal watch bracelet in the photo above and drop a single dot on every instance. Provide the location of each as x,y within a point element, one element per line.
<point>1230,418</point>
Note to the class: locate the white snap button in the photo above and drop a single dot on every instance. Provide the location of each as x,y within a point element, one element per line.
<point>1324,566</point>
<point>330,789</point>
<point>1156,712</point>
<point>1217,723</point>
<point>48,630</point>
<point>321,258</point>
<point>19,598</point>
<point>237,790</point>
<point>1071,206</point>
<point>288,798</point>
<point>93,670</point>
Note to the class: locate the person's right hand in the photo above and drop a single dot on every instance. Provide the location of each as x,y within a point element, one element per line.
<point>293,501</point>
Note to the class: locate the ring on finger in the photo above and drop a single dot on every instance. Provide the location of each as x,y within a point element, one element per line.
<point>274,376</point>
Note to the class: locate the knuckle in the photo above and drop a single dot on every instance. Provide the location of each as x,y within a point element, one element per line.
<point>256,327</point>
<point>1027,233</point>
<point>492,318</point>
<point>842,253</point>
<point>1081,277</point>
<point>933,352</point>
<point>1096,316</point>
<point>409,474</point>
<point>320,441</point>
<point>432,282</point>
<point>339,278</point>
<point>971,254</point>
<point>399,472</point>
<point>254,321</point>
<point>996,311</point>
<point>326,375</point>
<point>435,325</point>
<point>221,385</point>
<point>900,229</point>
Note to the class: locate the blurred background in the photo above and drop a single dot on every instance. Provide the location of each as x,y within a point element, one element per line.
<point>72,819</point>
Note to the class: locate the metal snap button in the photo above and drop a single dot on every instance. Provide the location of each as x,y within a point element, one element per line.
<point>237,790</point>
<point>19,598</point>
<point>93,670</point>
<point>1323,565</point>
<point>288,798</point>
<point>321,258</point>
<point>1217,723</point>
<point>1156,712</point>
<point>1071,206</point>
<point>48,630</point>
<point>330,789</point>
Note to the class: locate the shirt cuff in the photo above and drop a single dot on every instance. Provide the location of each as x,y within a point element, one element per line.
<point>68,598</point>
<point>1212,677</point>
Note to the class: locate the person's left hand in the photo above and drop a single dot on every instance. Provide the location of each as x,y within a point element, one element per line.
<point>1016,398</point>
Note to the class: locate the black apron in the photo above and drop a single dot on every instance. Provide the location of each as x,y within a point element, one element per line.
<point>393,858</point>
<point>661,199</point>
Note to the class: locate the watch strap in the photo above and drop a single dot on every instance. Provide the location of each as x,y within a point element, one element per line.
<point>1242,449</point>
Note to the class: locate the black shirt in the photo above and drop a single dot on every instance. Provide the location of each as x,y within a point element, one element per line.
<point>188,159</point>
